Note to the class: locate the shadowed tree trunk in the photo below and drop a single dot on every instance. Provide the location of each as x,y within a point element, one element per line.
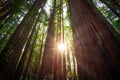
<point>21,64</point>
<point>18,39</point>
<point>97,52</point>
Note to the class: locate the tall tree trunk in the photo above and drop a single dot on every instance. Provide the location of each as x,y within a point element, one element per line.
<point>21,64</point>
<point>40,54</point>
<point>59,57</point>
<point>46,67</point>
<point>17,41</point>
<point>30,57</point>
<point>97,52</point>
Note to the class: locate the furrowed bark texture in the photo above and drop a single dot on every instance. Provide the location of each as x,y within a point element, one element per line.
<point>97,52</point>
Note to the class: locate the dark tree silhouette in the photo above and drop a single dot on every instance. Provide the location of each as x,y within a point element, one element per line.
<point>18,39</point>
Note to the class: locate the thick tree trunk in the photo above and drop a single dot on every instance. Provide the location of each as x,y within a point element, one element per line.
<point>17,41</point>
<point>98,55</point>
<point>21,64</point>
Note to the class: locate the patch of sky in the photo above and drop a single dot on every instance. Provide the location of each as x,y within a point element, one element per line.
<point>47,7</point>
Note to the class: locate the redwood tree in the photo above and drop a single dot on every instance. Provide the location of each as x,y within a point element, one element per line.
<point>11,53</point>
<point>97,52</point>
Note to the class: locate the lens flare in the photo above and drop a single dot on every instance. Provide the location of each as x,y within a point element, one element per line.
<point>61,47</point>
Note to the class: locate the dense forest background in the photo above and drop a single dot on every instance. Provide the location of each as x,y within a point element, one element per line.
<point>59,39</point>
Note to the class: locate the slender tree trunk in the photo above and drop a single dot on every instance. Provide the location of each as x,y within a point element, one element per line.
<point>40,54</point>
<point>69,65</point>
<point>97,52</point>
<point>30,57</point>
<point>62,39</point>
<point>59,67</point>
<point>74,65</point>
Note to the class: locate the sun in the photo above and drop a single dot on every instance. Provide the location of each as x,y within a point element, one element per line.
<point>61,46</point>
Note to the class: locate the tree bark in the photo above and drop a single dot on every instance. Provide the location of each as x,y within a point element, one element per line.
<point>18,39</point>
<point>97,52</point>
